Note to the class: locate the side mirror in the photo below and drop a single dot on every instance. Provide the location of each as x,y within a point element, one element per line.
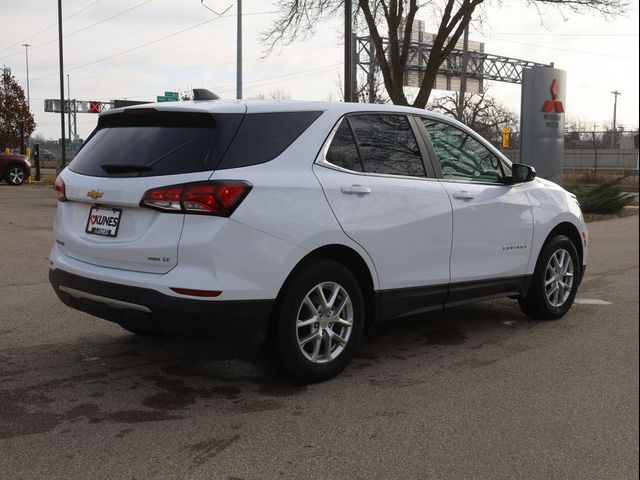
<point>521,173</point>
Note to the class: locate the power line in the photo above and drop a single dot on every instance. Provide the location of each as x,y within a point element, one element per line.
<point>268,80</point>
<point>89,26</point>
<point>50,27</point>
<point>549,47</point>
<point>549,34</point>
<point>133,48</point>
<point>192,67</point>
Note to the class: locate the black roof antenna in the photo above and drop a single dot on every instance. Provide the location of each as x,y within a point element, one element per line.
<point>204,94</point>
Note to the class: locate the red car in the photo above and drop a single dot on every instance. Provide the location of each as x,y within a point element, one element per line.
<point>14,168</point>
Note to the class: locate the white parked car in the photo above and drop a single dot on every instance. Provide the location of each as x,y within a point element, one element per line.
<point>301,224</point>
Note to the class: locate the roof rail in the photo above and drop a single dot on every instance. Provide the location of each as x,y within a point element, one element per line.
<point>204,94</point>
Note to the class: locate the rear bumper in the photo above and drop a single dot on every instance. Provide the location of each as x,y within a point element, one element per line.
<point>150,310</point>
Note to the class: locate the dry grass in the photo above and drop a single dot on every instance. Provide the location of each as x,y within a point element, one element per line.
<point>45,179</point>
<point>597,217</point>
<point>589,178</point>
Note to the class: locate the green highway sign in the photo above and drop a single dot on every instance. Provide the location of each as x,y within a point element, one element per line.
<point>161,99</point>
<point>172,96</point>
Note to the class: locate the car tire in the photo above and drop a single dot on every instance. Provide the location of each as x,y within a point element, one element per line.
<point>313,341</point>
<point>15,175</point>
<point>555,281</point>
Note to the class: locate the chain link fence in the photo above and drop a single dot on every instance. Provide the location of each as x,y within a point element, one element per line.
<point>596,155</point>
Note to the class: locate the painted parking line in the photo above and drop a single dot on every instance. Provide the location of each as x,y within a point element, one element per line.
<point>591,301</point>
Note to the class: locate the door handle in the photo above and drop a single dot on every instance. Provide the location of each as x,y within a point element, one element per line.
<point>463,195</point>
<point>356,190</point>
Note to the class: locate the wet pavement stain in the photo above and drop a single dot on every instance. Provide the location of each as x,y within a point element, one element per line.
<point>177,395</point>
<point>83,409</point>
<point>471,364</point>
<point>202,452</point>
<point>258,406</point>
<point>360,366</point>
<point>168,401</point>
<point>140,416</point>
<point>366,356</point>
<point>444,335</point>
<point>123,433</point>
<point>279,388</point>
<point>395,382</point>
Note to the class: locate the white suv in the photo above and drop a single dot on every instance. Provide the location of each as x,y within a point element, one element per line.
<point>302,224</point>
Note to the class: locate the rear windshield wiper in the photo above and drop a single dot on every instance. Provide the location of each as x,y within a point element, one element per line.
<point>125,168</point>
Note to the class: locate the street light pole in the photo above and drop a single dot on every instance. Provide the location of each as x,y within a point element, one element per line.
<point>614,132</point>
<point>26,53</point>
<point>348,27</point>
<point>239,53</point>
<point>62,149</point>
<point>463,74</point>
<point>238,44</point>
<point>69,100</point>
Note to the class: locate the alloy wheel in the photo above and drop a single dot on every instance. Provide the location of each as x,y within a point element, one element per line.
<point>16,175</point>
<point>558,278</point>
<point>324,322</point>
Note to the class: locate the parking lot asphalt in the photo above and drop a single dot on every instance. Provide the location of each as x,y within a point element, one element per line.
<point>476,392</point>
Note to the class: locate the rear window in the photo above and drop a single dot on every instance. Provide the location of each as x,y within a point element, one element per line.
<point>264,136</point>
<point>147,142</point>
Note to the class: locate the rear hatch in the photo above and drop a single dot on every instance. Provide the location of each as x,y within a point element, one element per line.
<point>132,151</point>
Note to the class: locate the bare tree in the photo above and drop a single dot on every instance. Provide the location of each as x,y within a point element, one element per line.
<point>481,111</point>
<point>366,93</point>
<point>277,94</point>
<point>394,20</point>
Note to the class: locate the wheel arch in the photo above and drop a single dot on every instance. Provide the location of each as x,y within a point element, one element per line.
<point>354,262</point>
<point>570,230</point>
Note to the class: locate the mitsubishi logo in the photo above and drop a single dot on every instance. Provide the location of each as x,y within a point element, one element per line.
<point>95,194</point>
<point>553,104</point>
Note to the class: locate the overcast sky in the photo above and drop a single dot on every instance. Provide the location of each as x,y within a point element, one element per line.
<point>150,46</point>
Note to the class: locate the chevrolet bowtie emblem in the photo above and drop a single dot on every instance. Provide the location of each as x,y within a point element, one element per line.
<point>95,194</point>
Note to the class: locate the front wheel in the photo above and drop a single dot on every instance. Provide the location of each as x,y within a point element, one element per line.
<point>15,175</point>
<point>320,322</point>
<point>555,281</point>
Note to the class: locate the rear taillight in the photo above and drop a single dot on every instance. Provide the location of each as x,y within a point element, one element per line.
<point>60,188</point>
<point>217,197</point>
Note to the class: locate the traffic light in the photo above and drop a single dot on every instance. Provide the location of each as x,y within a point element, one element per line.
<point>506,133</point>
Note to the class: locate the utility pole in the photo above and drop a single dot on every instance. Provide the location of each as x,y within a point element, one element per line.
<point>595,152</point>
<point>26,53</point>
<point>62,150</point>
<point>239,53</point>
<point>463,73</point>
<point>238,44</point>
<point>348,54</point>
<point>614,133</point>
<point>69,100</point>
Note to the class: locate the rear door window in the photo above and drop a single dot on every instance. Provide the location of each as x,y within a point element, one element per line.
<point>387,145</point>
<point>151,143</point>
<point>343,151</point>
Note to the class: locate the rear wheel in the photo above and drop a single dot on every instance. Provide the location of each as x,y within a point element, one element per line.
<point>15,175</point>
<point>320,321</point>
<point>555,281</point>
